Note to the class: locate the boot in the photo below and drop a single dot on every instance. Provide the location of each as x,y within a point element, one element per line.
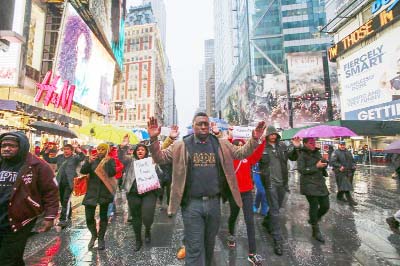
<point>138,245</point>
<point>147,236</point>
<point>350,199</point>
<point>340,196</point>
<point>93,231</point>
<point>393,224</point>
<point>278,248</point>
<point>138,236</point>
<point>102,232</point>
<point>316,233</point>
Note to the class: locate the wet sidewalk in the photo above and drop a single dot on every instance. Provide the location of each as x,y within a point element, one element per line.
<point>354,236</point>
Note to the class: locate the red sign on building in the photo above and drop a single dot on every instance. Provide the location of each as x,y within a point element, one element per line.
<point>59,96</point>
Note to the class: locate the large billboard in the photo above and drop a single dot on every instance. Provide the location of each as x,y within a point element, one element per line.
<point>370,80</point>
<point>307,88</point>
<point>82,60</point>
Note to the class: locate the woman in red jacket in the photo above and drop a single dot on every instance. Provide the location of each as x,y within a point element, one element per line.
<point>245,183</point>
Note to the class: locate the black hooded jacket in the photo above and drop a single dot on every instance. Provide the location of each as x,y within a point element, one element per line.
<point>282,152</point>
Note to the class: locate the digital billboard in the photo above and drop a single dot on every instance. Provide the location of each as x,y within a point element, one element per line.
<point>370,80</point>
<point>83,61</point>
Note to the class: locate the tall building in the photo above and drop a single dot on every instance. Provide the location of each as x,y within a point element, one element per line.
<point>209,76</point>
<point>169,99</point>
<point>141,95</point>
<point>269,41</point>
<point>202,90</point>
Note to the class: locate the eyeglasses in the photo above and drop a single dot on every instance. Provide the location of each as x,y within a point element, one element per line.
<point>199,124</point>
<point>12,146</point>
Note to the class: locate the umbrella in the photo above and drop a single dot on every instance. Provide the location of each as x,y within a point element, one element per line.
<point>108,133</point>
<point>394,147</point>
<point>53,129</point>
<point>141,133</point>
<point>324,131</point>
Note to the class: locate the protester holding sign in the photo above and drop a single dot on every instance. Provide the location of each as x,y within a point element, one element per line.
<point>100,191</point>
<point>141,184</point>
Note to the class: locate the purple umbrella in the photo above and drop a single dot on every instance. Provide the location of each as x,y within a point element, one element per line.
<point>394,147</point>
<point>324,131</point>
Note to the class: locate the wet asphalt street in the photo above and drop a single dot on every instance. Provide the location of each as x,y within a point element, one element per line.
<point>354,236</point>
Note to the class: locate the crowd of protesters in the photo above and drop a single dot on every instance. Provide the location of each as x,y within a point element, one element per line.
<point>195,174</point>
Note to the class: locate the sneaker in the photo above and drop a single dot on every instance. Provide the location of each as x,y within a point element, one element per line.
<point>181,254</point>
<point>231,241</point>
<point>255,259</point>
<point>393,224</point>
<point>255,210</point>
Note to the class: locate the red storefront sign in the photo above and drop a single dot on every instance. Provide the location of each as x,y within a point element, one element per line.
<point>59,96</point>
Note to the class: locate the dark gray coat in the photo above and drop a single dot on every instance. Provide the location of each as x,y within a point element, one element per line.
<point>312,179</point>
<point>68,168</point>
<point>343,158</point>
<point>97,192</point>
<point>282,152</point>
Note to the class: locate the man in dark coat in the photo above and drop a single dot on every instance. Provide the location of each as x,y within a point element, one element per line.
<point>27,189</point>
<point>274,175</point>
<point>344,166</point>
<point>312,169</point>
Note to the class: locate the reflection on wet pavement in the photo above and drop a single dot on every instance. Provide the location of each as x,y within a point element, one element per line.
<point>354,236</point>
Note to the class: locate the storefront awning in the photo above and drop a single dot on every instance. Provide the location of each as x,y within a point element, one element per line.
<point>33,111</point>
<point>360,127</point>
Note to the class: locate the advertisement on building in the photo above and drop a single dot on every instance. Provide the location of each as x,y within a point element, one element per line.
<point>307,88</point>
<point>10,58</point>
<point>370,79</point>
<point>82,60</point>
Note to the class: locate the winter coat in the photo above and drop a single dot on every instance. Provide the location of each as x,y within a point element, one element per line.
<point>66,166</point>
<point>35,190</point>
<point>343,158</point>
<point>243,169</point>
<point>283,152</point>
<point>97,192</point>
<point>179,156</point>
<point>312,179</point>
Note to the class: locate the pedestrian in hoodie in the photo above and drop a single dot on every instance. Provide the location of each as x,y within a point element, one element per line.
<point>245,184</point>
<point>100,191</point>
<point>312,169</point>
<point>274,175</point>
<point>27,190</point>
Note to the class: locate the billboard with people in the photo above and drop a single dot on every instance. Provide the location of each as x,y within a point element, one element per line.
<point>82,60</point>
<point>370,80</point>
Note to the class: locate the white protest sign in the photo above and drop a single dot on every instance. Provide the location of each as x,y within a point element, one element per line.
<point>242,132</point>
<point>146,176</point>
<point>165,131</point>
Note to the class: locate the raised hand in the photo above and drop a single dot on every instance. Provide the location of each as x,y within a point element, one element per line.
<point>174,133</point>
<point>259,130</point>
<point>296,142</point>
<point>214,128</point>
<point>153,128</point>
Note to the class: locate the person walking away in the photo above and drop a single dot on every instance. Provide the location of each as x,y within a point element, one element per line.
<point>100,191</point>
<point>27,190</point>
<point>141,206</point>
<point>67,163</point>
<point>274,175</point>
<point>260,200</point>
<point>312,169</point>
<point>344,166</point>
<point>203,172</point>
<point>245,184</point>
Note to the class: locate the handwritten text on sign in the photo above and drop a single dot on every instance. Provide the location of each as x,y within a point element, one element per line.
<point>242,132</point>
<point>146,176</point>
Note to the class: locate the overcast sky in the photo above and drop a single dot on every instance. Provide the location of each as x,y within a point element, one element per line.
<point>189,23</point>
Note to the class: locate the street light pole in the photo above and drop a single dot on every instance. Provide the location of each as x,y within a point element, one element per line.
<point>327,81</point>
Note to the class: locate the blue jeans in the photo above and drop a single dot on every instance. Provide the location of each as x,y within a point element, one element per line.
<point>261,197</point>
<point>201,220</point>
